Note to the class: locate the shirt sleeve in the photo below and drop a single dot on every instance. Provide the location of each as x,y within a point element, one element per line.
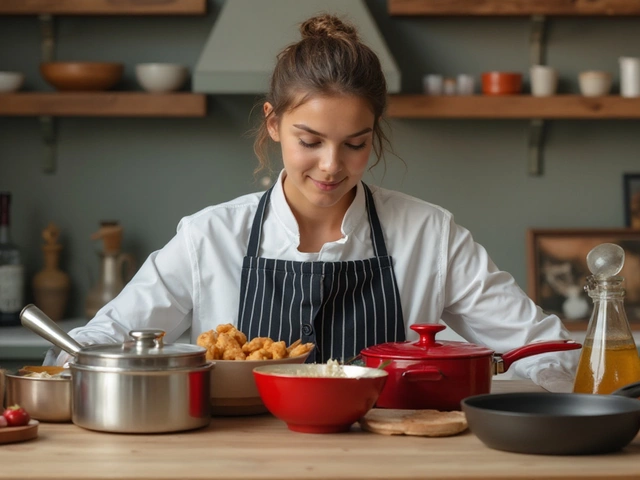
<point>160,295</point>
<point>486,306</point>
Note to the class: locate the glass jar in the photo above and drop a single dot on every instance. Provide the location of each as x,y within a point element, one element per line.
<point>609,358</point>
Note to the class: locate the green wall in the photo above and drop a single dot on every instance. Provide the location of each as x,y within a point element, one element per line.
<point>148,173</point>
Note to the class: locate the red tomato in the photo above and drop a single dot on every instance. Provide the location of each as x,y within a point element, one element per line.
<point>16,416</point>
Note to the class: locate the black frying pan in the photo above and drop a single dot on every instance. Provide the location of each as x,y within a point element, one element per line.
<point>555,423</point>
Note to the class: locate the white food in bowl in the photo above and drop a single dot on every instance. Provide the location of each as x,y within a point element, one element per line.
<point>161,77</point>
<point>11,81</point>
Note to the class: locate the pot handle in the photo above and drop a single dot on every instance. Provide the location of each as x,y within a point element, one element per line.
<point>38,322</point>
<point>533,349</point>
<point>632,390</point>
<point>429,374</point>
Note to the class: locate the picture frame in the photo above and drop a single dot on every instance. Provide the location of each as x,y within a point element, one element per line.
<point>557,271</point>
<point>631,183</point>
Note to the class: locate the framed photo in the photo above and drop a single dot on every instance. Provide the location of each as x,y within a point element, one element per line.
<point>557,271</point>
<point>632,200</point>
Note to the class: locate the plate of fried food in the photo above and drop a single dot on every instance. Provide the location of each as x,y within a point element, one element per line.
<point>233,387</point>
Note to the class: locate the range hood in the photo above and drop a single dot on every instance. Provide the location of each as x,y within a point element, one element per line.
<point>241,50</point>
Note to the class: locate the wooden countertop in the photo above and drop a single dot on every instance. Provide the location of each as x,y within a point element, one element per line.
<point>261,447</point>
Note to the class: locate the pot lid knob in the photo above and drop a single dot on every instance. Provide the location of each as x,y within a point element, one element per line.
<point>146,338</point>
<point>427,332</point>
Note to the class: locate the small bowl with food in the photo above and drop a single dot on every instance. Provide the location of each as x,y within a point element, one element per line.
<point>233,387</point>
<point>319,398</point>
<point>44,392</point>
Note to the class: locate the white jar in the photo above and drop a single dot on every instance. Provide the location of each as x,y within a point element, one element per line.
<point>544,80</point>
<point>629,76</point>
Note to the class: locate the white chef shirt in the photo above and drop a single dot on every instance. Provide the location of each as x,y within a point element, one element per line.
<point>442,274</point>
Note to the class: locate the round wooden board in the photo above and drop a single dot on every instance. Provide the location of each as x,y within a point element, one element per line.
<point>425,423</point>
<point>19,434</point>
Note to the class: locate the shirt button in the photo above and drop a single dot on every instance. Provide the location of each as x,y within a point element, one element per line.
<point>307,329</point>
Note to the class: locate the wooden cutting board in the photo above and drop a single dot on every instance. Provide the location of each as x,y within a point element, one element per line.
<point>425,423</point>
<point>19,434</point>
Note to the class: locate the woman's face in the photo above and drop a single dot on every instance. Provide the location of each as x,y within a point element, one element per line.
<point>325,144</point>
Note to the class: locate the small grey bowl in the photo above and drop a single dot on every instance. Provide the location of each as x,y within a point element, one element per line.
<point>45,399</point>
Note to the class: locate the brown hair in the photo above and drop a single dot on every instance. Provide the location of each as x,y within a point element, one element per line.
<point>328,60</point>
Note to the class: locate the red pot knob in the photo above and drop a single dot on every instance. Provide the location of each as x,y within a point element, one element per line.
<point>427,332</point>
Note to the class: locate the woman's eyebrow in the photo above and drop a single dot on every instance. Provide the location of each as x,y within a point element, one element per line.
<point>322,135</point>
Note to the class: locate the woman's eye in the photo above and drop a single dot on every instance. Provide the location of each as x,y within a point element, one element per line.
<point>357,147</point>
<point>308,145</point>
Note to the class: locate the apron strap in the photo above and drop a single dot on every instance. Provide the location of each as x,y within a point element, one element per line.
<point>256,228</point>
<point>377,237</point>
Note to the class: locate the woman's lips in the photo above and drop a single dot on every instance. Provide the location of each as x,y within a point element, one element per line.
<point>326,186</point>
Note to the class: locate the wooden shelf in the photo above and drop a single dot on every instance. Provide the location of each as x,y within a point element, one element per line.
<point>103,7</point>
<point>103,104</point>
<point>513,106</point>
<point>513,7</point>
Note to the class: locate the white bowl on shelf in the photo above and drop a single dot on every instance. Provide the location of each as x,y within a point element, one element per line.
<point>161,77</point>
<point>11,81</point>
<point>594,83</point>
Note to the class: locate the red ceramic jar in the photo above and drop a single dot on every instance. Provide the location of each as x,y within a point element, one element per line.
<point>427,374</point>
<point>501,83</point>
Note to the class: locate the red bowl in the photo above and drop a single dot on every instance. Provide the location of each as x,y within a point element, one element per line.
<point>309,401</point>
<point>501,83</point>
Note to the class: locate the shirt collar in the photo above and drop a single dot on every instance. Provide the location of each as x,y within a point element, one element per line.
<point>355,214</point>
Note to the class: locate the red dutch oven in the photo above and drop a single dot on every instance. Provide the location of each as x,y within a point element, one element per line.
<point>430,374</point>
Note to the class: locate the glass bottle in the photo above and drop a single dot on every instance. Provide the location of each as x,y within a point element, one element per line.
<point>11,269</point>
<point>609,358</point>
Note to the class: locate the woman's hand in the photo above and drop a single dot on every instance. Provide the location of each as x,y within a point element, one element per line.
<point>554,379</point>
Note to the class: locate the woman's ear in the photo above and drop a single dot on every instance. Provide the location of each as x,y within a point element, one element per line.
<point>272,122</point>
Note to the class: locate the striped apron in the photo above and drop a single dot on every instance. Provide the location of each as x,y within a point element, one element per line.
<point>342,307</point>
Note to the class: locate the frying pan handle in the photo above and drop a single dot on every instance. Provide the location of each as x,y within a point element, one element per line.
<point>535,349</point>
<point>429,374</point>
<point>38,322</point>
<point>632,390</point>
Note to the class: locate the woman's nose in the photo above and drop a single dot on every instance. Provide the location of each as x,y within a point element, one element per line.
<point>330,161</point>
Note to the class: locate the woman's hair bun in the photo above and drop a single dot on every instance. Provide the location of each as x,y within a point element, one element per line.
<point>328,26</point>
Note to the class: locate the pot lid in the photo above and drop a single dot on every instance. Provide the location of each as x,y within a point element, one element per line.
<point>427,346</point>
<point>146,351</point>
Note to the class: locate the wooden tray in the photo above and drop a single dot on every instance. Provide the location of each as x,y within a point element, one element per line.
<point>19,434</point>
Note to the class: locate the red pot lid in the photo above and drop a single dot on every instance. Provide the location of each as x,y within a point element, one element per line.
<point>426,346</point>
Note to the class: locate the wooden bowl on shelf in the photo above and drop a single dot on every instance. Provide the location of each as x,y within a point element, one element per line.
<point>82,76</point>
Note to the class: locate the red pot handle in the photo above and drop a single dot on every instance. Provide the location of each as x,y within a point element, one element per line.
<point>428,374</point>
<point>535,349</point>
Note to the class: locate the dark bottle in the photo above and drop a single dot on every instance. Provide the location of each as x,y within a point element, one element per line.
<point>11,269</point>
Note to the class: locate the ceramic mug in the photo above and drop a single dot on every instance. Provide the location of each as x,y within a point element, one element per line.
<point>465,84</point>
<point>544,80</point>
<point>433,84</point>
<point>449,86</point>
<point>594,83</point>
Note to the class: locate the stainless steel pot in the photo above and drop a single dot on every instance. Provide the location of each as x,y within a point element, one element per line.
<point>139,386</point>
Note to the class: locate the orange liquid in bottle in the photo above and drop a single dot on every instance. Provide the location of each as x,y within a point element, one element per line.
<point>605,370</point>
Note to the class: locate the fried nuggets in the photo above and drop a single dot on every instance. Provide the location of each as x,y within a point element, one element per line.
<point>226,342</point>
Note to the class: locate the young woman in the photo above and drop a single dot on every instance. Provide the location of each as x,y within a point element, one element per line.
<point>321,256</point>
